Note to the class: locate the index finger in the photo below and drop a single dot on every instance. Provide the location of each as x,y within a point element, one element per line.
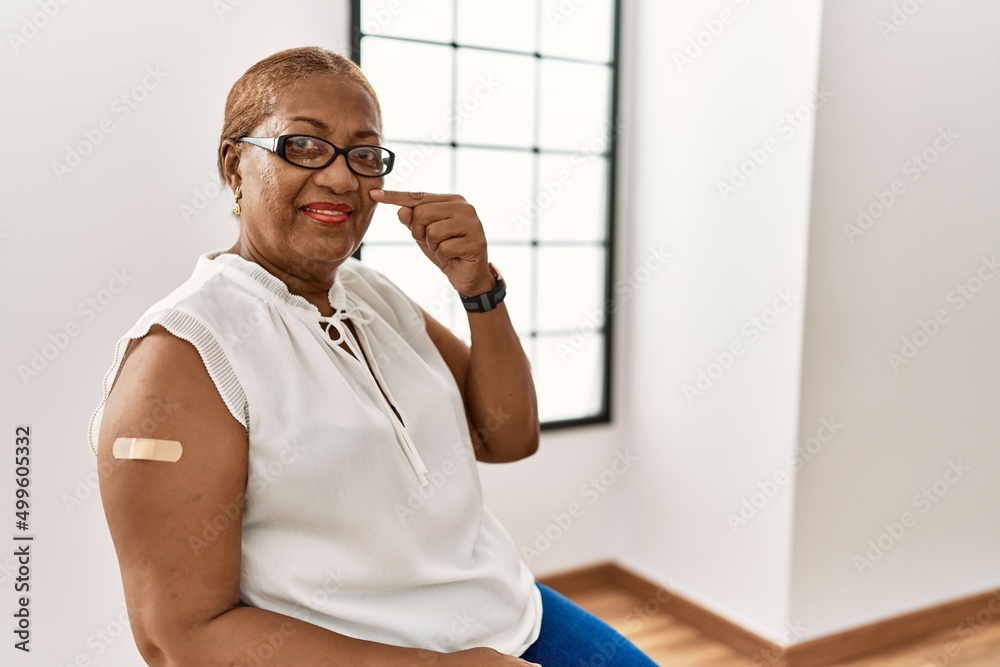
<point>401,198</point>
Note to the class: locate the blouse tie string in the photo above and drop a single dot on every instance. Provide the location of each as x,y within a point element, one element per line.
<point>362,314</point>
<point>357,312</point>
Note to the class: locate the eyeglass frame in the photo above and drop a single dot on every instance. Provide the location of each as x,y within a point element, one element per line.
<point>277,146</point>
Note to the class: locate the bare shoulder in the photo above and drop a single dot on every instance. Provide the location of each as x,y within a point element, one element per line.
<point>162,386</point>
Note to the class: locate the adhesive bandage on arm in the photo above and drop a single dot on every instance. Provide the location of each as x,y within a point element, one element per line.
<point>147,449</point>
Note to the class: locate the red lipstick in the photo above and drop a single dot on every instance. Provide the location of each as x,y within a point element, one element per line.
<point>328,213</point>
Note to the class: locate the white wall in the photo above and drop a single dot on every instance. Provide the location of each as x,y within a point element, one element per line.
<point>63,239</point>
<point>789,572</point>
<point>870,288</point>
<point>692,123</point>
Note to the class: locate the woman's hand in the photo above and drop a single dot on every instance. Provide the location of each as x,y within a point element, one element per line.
<point>483,657</point>
<point>448,230</point>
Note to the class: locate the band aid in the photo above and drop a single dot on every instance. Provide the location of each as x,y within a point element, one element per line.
<point>147,449</point>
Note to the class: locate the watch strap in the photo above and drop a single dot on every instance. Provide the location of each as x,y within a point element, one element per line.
<point>480,303</point>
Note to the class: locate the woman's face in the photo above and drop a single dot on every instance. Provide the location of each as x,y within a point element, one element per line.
<point>277,194</point>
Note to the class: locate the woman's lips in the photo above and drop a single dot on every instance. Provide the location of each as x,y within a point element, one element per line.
<point>327,213</point>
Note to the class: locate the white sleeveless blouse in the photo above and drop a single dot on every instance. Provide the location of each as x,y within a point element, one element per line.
<point>356,520</point>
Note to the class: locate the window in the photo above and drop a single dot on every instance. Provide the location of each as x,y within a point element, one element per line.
<point>512,105</point>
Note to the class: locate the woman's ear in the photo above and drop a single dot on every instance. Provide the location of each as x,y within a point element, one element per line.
<point>231,163</point>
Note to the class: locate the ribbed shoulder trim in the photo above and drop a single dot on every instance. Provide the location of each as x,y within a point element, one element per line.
<point>190,328</point>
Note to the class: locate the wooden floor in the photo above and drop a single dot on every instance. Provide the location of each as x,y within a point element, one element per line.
<point>671,643</point>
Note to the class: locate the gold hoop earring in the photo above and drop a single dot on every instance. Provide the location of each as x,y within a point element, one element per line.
<point>236,201</point>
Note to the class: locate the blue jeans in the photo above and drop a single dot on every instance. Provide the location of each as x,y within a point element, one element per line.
<point>573,637</point>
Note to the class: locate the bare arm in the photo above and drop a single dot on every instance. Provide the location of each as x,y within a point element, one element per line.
<point>495,380</point>
<point>181,581</point>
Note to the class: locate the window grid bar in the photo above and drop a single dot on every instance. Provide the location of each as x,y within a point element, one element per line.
<point>542,333</point>
<point>453,123</point>
<point>552,333</point>
<point>535,177</point>
<point>555,243</point>
<point>533,336</point>
<point>523,149</point>
<point>492,49</point>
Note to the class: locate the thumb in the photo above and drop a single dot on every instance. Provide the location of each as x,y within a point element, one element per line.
<point>405,215</point>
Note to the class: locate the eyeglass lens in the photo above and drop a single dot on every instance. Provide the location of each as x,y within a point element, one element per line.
<point>312,152</point>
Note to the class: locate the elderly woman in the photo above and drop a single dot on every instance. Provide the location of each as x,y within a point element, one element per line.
<point>288,443</point>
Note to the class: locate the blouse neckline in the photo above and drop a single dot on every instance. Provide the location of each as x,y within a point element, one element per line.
<point>266,282</point>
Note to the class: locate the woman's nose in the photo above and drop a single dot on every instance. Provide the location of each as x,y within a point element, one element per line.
<point>337,175</point>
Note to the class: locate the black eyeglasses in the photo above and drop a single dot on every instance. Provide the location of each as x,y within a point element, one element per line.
<point>310,152</point>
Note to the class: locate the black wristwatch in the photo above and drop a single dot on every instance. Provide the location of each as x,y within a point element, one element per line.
<point>488,300</point>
